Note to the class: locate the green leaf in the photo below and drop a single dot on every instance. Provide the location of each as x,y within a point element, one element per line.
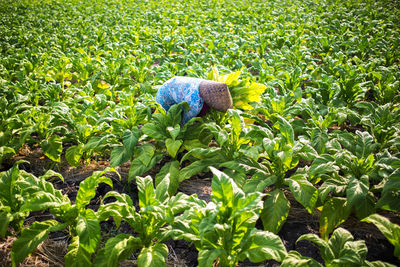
<point>31,237</point>
<point>5,218</point>
<point>119,155</point>
<point>153,130</point>
<point>195,168</point>
<point>145,153</point>
<point>174,131</point>
<point>337,242</point>
<point>162,189</point>
<point>173,146</point>
<point>334,212</point>
<point>223,188</point>
<point>285,129</point>
<point>390,199</point>
<point>326,251</point>
<point>4,151</point>
<point>51,173</point>
<point>172,170</point>
<point>117,248</point>
<point>390,230</point>
<point>77,256</point>
<point>130,139</point>
<point>87,188</point>
<point>265,246</point>
<point>74,155</point>
<point>207,257</point>
<point>303,191</point>
<point>295,259</point>
<point>154,256</point>
<point>52,148</point>
<point>8,180</point>
<point>357,197</point>
<point>88,230</point>
<point>275,212</point>
<point>146,191</point>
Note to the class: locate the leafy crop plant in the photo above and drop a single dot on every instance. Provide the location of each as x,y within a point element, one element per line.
<point>223,230</point>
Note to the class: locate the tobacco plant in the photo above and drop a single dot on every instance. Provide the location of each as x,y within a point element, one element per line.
<point>82,222</point>
<point>157,210</point>
<point>223,230</point>
<point>340,250</point>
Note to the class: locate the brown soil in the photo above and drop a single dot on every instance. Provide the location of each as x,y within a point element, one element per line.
<point>52,251</point>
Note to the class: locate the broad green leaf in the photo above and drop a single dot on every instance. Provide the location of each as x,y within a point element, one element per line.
<point>119,155</point>
<point>353,252</point>
<point>146,191</point>
<point>172,169</point>
<point>173,146</point>
<point>326,251</point>
<point>275,212</point>
<point>390,230</point>
<point>77,256</point>
<point>52,148</point>
<point>174,131</point>
<point>357,196</point>
<point>390,199</point>
<point>5,218</point>
<point>161,190</point>
<point>42,195</point>
<point>31,237</point>
<point>265,246</point>
<point>7,184</point>
<point>88,230</point>
<point>195,168</point>
<point>295,259</point>
<point>334,212</point>
<point>207,257</point>
<point>74,155</point>
<point>138,168</point>
<point>117,248</point>
<point>154,256</point>
<point>153,130</point>
<point>87,188</point>
<point>303,191</point>
<point>338,240</point>
<point>223,188</point>
<point>130,139</point>
<point>285,129</point>
<point>145,153</point>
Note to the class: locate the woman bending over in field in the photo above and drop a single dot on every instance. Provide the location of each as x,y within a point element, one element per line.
<point>199,93</point>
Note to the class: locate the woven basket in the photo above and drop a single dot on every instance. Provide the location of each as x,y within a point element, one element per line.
<point>216,95</point>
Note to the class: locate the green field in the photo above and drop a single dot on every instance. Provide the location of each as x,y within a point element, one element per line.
<point>315,131</point>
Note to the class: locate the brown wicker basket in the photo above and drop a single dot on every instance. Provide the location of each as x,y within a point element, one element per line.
<point>216,95</point>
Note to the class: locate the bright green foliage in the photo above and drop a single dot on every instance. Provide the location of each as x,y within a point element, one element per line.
<point>224,230</point>
<point>339,250</point>
<point>157,210</point>
<point>390,199</point>
<point>166,127</point>
<point>315,87</point>
<point>233,141</point>
<point>11,199</point>
<point>389,229</point>
<point>243,92</point>
<point>83,223</point>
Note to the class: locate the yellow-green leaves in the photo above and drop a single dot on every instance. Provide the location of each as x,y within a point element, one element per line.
<point>243,92</point>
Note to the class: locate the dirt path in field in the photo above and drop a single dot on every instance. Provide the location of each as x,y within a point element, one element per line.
<point>182,253</point>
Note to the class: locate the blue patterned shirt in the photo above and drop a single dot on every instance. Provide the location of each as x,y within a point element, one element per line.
<point>179,89</point>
